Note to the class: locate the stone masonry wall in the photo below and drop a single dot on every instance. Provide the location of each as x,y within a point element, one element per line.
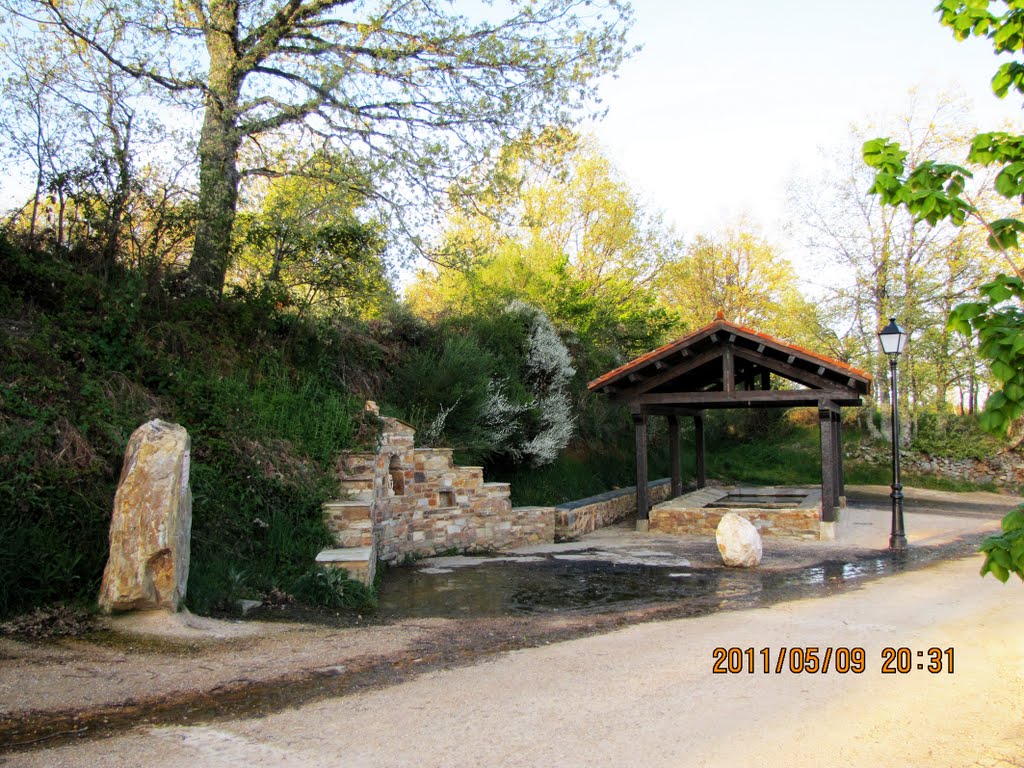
<point>575,518</point>
<point>1005,470</point>
<point>408,501</point>
<point>787,523</point>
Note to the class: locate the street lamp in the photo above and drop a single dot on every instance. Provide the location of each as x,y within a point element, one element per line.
<point>894,340</point>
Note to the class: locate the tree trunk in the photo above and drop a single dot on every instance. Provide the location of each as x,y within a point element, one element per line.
<point>119,199</point>
<point>218,153</point>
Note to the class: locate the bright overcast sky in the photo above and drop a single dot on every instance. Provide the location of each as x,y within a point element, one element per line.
<point>729,100</point>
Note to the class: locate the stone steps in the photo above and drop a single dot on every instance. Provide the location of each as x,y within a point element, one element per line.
<point>359,562</point>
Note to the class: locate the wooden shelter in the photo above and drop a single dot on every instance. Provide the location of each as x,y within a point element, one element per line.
<point>725,365</point>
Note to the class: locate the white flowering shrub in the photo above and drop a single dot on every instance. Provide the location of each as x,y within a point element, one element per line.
<point>536,428</point>
<point>492,386</point>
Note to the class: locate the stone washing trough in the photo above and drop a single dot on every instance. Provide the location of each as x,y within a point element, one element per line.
<point>792,512</point>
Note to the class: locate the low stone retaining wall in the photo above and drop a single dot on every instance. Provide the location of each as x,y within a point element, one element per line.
<point>687,516</point>
<point>1006,470</point>
<point>575,518</point>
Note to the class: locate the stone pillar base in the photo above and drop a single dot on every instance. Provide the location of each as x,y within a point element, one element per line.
<point>643,526</point>
<point>827,531</point>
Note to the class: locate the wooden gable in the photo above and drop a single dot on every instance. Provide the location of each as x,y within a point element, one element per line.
<point>725,365</point>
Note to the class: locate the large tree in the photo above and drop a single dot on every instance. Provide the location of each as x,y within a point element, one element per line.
<point>556,226</point>
<point>736,272</point>
<point>877,262</point>
<point>406,86</point>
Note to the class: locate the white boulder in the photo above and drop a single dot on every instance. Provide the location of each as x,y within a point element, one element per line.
<point>738,541</point>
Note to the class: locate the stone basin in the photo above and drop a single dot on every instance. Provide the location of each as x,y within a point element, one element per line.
<point>788,511</point>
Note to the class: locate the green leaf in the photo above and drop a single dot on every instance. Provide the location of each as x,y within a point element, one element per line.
<point>992,421</point>
<point>1004,234</point>
<point>1003,371</point>
<point>998,292</point>
<point>1001,557</point>
<point>1014,521</point>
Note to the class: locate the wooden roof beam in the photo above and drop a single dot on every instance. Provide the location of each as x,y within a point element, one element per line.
<point>680,369</point>
<point>781,398</point>
<point>786,370</point>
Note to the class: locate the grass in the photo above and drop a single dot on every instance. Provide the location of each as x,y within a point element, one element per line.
<point>89,359</point>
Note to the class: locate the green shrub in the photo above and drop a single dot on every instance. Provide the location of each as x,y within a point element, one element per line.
<point>332,588</point>
<point>441,389</point>
<point>953,436</point>
<point>87,360</point>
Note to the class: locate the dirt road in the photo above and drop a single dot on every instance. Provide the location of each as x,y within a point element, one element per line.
<point>646,695</point>
<point>643,694</point>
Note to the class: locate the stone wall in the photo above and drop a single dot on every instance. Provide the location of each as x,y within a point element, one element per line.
<point>575,518</point>
<point>699,513</point>
<point>404,501</point>
<point>1005,470</point>
<point>788,523</point>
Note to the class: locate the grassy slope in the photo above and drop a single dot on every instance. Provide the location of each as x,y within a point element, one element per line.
<point>87,360</point>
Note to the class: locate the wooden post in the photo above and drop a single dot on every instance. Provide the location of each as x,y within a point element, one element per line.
<point>673,450</point>
<point>828,463</point>
<point>840,474</point>
<point>728,370</point>
<point>642,507</point>
<point>698,429</point>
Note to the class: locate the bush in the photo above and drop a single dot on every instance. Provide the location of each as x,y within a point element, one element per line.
<point>494,387</point>
<point>442,389</point>
<point>332,588</point>
<point>953,436</point>
<point>87,360</point>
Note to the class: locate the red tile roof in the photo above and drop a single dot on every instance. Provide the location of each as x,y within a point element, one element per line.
<point>721,324</point>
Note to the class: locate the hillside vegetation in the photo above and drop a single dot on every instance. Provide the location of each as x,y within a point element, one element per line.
<point>270,399</point>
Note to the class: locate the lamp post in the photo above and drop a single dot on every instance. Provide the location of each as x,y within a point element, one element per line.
<point>894,340</point>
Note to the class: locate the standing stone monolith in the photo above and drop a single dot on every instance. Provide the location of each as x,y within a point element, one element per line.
<point>151,527</point>
<point>738,541</point>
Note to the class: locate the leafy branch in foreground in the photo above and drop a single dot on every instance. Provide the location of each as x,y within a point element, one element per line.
<point>933,192</point>
<point>1004,554</point>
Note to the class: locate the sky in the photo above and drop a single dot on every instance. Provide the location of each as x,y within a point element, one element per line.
<point>729,101</point>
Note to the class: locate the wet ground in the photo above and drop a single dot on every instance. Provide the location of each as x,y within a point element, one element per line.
<point>448,612</point>
<point>593,580</point>
<point>616,569</point>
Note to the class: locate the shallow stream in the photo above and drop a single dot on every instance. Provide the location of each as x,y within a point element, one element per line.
<point>585,582</point>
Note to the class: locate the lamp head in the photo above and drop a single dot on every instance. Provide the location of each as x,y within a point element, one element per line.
<point>892,338</point>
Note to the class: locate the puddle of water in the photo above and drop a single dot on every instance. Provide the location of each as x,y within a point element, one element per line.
<point>582,582</point>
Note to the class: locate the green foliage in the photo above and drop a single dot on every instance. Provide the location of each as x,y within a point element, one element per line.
<point>491,386</point>
<point>953,436</point>
<point>332,588</point>
<point>931,192</point>
<point>998,323</point>
<point>1004,554</point>
<point>87,360</point>
<point>441,389</point>
<point>307,244</point>
<point>558,228</point>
